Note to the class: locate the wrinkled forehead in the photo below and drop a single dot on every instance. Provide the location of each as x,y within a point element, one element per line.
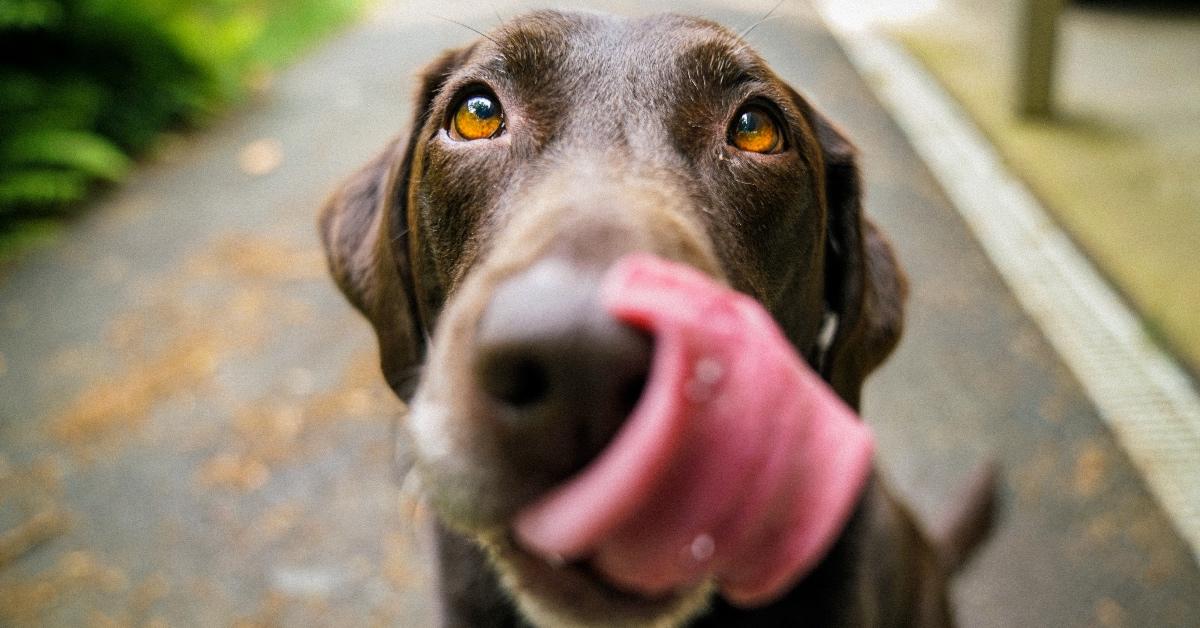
<point>549,52</point>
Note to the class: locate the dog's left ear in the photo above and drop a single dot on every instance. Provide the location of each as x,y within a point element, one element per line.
<point>865,289</point>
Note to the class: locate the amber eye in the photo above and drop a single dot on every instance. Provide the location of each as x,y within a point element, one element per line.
<point>478,117</point>
<point>754,131</point>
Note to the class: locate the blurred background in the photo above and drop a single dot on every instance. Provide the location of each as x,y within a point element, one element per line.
<point>1102,125</point>
<point>193,428</point>
<point>89,85</point>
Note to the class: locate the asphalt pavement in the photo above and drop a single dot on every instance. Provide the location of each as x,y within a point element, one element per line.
<point>193,429</point>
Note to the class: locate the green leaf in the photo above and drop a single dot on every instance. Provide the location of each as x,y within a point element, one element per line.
<point>85,152</point>
<point>29,14</point>
<point>34,189</point>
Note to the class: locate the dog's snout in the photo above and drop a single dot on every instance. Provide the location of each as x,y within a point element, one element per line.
<point>559,375</point>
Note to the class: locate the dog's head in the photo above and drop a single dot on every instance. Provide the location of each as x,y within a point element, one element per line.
<point>537,157</point>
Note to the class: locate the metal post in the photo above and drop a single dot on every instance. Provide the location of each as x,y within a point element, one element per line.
<point>1036,56</point>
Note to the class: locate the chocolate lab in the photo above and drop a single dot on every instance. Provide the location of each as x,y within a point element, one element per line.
<point>568,141</point>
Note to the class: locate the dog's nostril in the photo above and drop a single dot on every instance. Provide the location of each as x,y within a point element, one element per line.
<point>557,375</point>
<point>516,380</point>
<point>631,392</point>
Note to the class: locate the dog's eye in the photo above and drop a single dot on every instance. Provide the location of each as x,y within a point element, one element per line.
<point>754,131</point>
<point>478,117</point>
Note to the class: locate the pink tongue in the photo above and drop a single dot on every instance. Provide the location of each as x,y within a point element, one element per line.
<point>739,462</point>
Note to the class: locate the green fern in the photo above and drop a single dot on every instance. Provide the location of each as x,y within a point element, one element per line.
<point>85,152</point>
<point>26,191</point>
<point>28,14</point>
<point>85,85</point>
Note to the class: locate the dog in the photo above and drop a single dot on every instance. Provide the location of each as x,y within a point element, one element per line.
<point>474,244</point>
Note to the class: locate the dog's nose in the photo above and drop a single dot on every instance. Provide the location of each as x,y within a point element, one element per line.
<point>559,374</point>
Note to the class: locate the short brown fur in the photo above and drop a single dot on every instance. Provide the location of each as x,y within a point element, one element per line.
<point>423,235</point>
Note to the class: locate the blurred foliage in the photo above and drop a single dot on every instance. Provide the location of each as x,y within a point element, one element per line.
<point>85,85</point>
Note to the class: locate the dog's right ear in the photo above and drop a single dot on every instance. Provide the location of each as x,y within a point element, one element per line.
<point>364,228</point>
<point>865,287</point>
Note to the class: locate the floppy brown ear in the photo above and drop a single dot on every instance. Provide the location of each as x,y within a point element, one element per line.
<point>864,287</point>
<point>364,228</point>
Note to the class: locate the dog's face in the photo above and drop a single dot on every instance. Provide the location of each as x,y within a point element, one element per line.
<point>538,157</point>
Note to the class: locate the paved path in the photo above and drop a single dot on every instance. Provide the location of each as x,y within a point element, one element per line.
<point>193,430</point>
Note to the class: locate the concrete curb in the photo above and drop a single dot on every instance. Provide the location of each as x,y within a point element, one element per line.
<point>1145,398</point>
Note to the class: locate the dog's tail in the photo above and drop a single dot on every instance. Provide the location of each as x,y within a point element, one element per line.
<point>968,522</point>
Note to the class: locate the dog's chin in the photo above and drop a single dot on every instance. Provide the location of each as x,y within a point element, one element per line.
<point>573,595</point>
